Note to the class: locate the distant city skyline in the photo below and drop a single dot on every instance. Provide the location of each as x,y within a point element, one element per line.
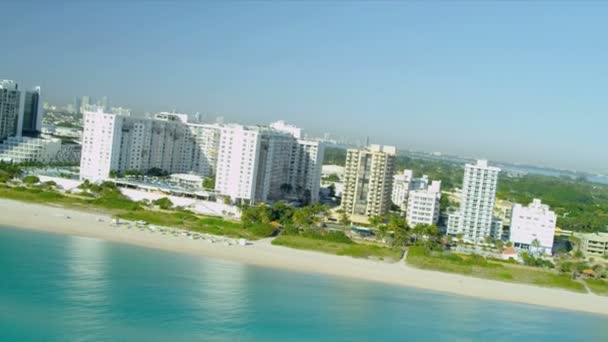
<point>503,81</point>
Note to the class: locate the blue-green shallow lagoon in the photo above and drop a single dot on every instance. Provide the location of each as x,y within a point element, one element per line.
<point>65,288</point>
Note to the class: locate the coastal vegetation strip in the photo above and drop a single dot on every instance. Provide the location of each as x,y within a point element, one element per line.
<point>327,245</point>
<point>597,286</point>
<point>494,269</point>
<point>109,200</point>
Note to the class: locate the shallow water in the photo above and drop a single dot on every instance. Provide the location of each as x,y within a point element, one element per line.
<point>59,287</point>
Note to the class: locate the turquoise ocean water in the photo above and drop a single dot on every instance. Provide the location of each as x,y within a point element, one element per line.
<point>65,288</point>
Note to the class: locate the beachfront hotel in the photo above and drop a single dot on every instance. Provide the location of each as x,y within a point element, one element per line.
<point>475,220</point>
<point>368,181</point>
<point>123,143</point>
<point>535,222</point>
<point>259,164</point>
<point>250,163</point>
<point>423,204</point>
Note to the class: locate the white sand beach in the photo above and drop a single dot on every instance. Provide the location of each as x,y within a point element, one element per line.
<point>262,253</point>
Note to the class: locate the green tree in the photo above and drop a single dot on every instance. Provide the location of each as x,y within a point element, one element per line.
<point>535,246</point>
<point>375,221</point>
<point>400,230</point>
<point>209,183</point>
<point>344,218</point>
<point>332,178</point>
<point>31,180</point>
<point>163,203</point>
<point>499,245</point>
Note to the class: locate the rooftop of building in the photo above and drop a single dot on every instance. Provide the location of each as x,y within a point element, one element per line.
<point>374,148</point>
<point>483,164</point>
<point>602,237</point>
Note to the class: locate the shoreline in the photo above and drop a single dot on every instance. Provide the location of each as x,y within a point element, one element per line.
<point>23,215</point>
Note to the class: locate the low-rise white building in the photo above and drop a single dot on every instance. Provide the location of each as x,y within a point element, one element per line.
<point>533,224</point>
<point>423,205</point>
<point>26,149</point>
<point>188,180</point>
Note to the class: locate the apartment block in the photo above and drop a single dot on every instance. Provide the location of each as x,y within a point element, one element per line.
<point>260,164</point>
<point>167,142</point>
<point>475,220</point>
<point>535,222</point>
<point>423,205</point>
<point>594,245</point>
<point>368,181</point>
<point>20,111</point>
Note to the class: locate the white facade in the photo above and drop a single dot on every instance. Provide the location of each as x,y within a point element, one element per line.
<point>423,205</point>
<point>401,188</point>
<point>121,143</point>
<point>282,126</point>
<point>188,180</point>
<point>264,164</point>
<point>305,167</point>
<point>26,149</point>
<point>100,145</point>
<point>120,111</point>
<point>533,222</point>
<point>237,162</point>
<point>207,143</point>
<point>475,219</point>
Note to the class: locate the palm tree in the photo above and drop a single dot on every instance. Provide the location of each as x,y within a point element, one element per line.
<point>375,220</point>
<point>344,219</point>
<point>536,245</point>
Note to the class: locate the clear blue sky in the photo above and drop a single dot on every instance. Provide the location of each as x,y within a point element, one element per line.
<point>517,81</point>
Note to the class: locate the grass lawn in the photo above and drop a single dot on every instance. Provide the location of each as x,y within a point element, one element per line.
<point>129,210</point>
<point>598,286</point>
<point>490,269</point>
<point>355,250</point>
<point>195,223</point>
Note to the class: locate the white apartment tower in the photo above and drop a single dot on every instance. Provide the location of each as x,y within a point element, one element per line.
<point>237,162</point>
<point>475,219</point>
<point>368,181</point>
<point>101,141</point>
<point>120,143</point>
<point>258,163</point>
<point>423,205</point>
<point>533,222</point>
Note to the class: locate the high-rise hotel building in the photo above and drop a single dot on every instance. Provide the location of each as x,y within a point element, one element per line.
<point>250,163</point>
<point>20,111</point>
<point>167,142</point>
<point>259,164</point>
<point>475,220</point>
<point>368,181</point>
